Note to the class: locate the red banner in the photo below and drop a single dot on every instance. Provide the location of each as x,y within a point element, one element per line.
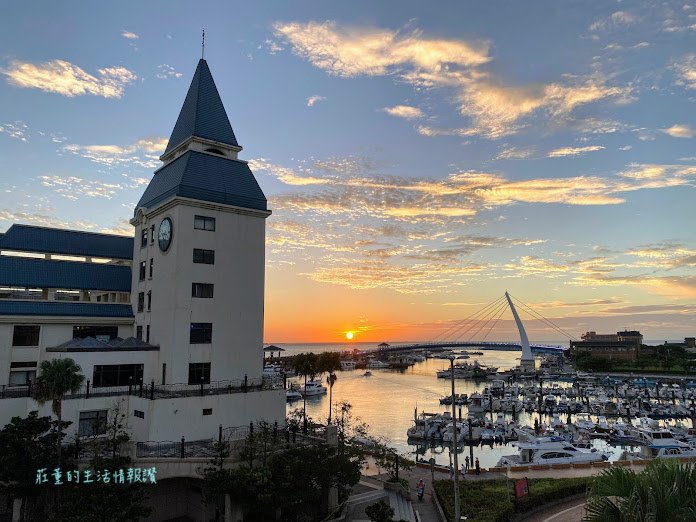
<point>521,488</point>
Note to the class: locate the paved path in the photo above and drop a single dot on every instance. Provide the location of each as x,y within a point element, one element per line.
<point>572,511</point>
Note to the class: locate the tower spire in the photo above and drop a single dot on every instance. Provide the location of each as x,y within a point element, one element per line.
<point>203,46</point>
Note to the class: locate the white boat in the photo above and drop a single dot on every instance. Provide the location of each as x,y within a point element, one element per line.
<point>377,365</point>
<point>583,422</point>
<point>313,388</point>
<point>479,403</point>
<point>272,370</point>
<point>292,394</point>
<point>348,365</point>
<point>542,452</point>
<point>672,452</point>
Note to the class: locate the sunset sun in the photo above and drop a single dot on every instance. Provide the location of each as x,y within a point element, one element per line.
<point>349,335</point>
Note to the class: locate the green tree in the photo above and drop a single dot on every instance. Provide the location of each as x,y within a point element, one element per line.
<point>664,490</point>
<point>305,365</point>
<point>380,512</point>
<point>100,501</point>
<point>28,444</point>
<point>57,378</point>
<point>329,362</point>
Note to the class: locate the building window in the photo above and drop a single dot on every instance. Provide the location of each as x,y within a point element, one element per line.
<point>149,300</point>
<point>141,301</point>
<point>152,263</point>
<point>206,257</point>
<point>142,270</point>
<point>103,333</point>
<point>201,333</point>
<point>26,335</point>
<point>152,235</point>
<point>147,333</point>
<point>139,332</point>
<point>207,411</point>
<point>22,377</point>
<point>202,290</point>
<point>139,414</point>
<point>117,375</point>
<point>143,238</point>
<point>204,223</point>
<point>199,373</point>
<point>92,423</point>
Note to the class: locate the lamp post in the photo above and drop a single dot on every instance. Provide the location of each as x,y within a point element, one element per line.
<point>457,516</point>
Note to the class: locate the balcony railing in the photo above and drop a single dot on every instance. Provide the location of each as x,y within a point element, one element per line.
<point>154,391</point>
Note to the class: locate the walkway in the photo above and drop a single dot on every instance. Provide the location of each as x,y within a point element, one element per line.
<point>572,511</point>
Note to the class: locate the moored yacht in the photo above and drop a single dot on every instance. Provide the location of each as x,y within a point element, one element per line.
<point>313,388</point>
<point>551,453</point>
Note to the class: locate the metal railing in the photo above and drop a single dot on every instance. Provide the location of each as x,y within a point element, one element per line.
<point>154,391</point>
<point>270,436</point>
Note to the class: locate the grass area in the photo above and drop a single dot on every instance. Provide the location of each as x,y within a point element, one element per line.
<point>494,500</point>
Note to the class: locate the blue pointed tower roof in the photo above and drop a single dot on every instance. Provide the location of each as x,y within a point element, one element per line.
<point>202,114</point>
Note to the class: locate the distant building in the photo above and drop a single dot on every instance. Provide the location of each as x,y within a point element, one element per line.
<point>621,345</point>
<point>690,342</point>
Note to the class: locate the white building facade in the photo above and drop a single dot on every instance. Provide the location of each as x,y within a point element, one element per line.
<point>169,323</point>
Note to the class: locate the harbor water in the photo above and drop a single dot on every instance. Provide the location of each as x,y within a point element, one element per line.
<point>387,400</point>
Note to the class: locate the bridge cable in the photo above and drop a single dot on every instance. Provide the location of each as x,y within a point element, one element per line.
<point>544,319</point>
<point>463,323</point>
<point>484,317</point>
<point>453,329</point>
<point>493,325</point>
<point>502,306</point>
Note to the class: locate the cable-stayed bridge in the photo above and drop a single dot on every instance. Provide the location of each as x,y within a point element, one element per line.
<point>473,331</point>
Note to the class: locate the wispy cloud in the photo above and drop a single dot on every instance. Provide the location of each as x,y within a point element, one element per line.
<point>616,19</point>
<point>572,151</point>
<point>496,109</point>
<point>314,99</point>
<point>64,78</point>
<point>680,131</point>
<point>404,111</point>
<point>685,68</point>
<point>284,174</point>
<point>515,153</point>
<point>128,35</point>
<point>166,71</point>
<point>143,153</point>
<point>72,187</point>
<point>16,130</point>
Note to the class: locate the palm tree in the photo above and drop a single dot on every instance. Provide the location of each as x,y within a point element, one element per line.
<point>329,362</point>
<point>57,378</point>
<point>664,490</point>
<point>305,364</point>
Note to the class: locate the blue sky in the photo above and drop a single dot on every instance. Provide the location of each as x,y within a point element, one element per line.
<point>419,160</point>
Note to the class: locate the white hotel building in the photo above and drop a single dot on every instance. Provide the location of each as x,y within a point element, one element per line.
<point>170,322</point>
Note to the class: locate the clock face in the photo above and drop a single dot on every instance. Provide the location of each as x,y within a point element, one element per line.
<point>164,237</point>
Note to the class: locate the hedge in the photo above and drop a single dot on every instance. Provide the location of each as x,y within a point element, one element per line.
<point>494,500</point>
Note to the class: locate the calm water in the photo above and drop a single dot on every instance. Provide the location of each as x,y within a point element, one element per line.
<point>386,400</point>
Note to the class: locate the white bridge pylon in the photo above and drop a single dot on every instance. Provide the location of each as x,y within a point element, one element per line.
<point>527,359</point>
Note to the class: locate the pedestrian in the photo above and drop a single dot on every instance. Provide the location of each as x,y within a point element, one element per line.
<point>478,467</point>
<point>451,470</point>
<point>466,463</point>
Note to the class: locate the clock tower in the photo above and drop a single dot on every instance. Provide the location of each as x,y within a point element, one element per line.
<point>198,260</point>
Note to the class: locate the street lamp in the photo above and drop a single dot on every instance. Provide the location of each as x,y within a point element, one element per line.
<point>451,359</point>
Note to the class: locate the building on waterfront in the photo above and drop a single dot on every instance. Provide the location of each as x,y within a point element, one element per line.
<point>170,322</point>
<point>621,345</point>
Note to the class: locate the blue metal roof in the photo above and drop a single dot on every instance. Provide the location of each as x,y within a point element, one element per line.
<point>70,275</point>
<point>203,113</point>
<point>65,308</point>
<point>207,178</point>
<point>28,238</point>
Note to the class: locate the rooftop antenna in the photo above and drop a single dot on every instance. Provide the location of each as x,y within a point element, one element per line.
<point>203,46</point>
